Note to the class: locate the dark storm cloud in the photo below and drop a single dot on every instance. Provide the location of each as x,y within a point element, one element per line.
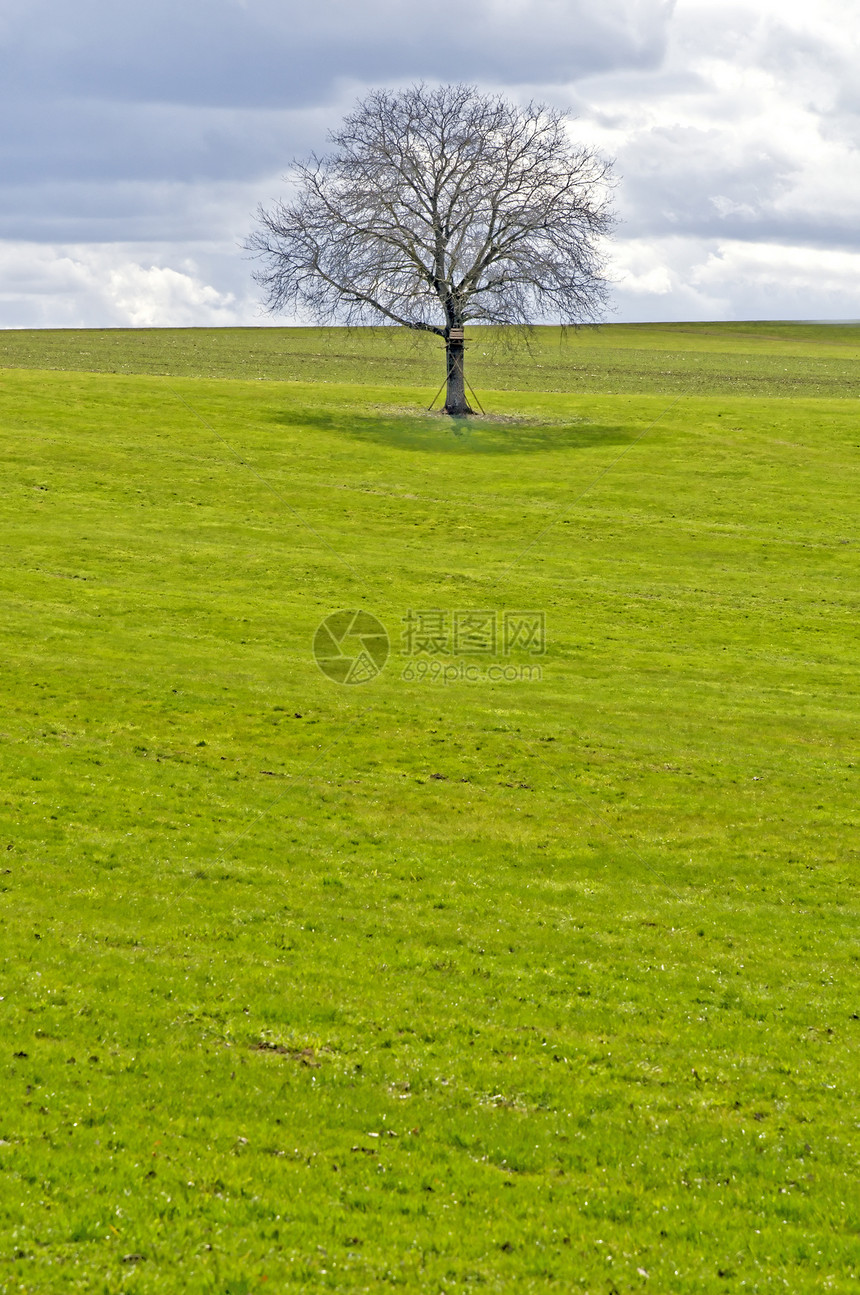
<point>89,170</point>
<point>267,54</point>
<point>216,91</point>
<point>90,140</point>
<point>126,211</point>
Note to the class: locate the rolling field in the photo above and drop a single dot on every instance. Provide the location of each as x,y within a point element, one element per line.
<point>529,964</point>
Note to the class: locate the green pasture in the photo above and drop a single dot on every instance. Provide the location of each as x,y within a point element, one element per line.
<point>443,982</point>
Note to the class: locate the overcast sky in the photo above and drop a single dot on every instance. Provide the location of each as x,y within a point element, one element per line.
<point>139,140</point>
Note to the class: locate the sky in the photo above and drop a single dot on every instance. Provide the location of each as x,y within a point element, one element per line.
<point>140,139</point>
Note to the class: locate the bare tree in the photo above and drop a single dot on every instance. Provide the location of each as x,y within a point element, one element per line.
<point>440,206</point>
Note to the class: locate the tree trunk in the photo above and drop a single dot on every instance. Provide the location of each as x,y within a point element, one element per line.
<point>455,399</point>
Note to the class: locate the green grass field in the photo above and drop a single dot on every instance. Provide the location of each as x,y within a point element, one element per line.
<point>445,981</point>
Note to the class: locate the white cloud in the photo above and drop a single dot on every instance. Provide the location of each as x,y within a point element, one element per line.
<point>110,286</point>
<point>691,278</point>
<point>793,275</point>
<point>150,296</point>
<point>720,142</point>
<point>740,192</point>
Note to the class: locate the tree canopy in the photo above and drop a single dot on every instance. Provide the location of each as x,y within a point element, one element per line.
<point>437,207</point>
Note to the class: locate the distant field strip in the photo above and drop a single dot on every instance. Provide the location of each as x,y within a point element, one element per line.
<point>714,359</point>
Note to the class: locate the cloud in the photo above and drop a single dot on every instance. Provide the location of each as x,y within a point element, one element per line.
<point>739,135</point>
<point>264,53</point>
<point>739,158</point>
<point>141,138</point>
<point>117,107</point>
<point>680,277</point>
<point>117,285</point>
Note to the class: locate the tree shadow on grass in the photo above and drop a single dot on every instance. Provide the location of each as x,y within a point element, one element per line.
<point>405,429</point>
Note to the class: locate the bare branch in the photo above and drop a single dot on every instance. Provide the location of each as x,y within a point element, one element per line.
<point>437,206</point>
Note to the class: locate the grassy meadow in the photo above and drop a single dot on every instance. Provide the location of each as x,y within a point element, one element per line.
<point>508,970</point>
